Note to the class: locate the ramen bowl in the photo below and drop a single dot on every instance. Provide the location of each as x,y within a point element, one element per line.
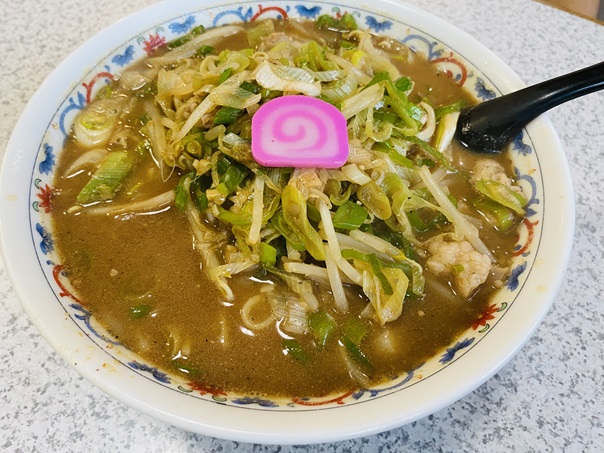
<point>26,187</point>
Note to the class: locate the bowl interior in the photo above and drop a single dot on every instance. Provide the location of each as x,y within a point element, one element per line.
<point>541,252</point>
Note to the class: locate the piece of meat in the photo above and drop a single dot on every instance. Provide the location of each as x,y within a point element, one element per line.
<point>457,259</point>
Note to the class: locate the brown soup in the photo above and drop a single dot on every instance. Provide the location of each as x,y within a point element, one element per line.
<point>142,271</point>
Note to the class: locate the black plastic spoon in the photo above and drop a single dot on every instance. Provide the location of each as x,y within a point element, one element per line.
<point>489,126</point>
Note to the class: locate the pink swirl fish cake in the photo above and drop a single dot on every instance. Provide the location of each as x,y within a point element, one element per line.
<point>299,131</point>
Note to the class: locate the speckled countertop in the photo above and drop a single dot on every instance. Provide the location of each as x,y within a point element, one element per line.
<point>550,397</point>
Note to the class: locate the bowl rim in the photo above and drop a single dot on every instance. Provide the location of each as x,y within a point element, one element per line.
<point>297,427</point>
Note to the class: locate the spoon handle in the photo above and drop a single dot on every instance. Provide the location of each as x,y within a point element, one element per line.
<point>495,122</point>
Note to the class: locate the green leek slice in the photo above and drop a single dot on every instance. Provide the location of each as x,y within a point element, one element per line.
<point>107,180</point>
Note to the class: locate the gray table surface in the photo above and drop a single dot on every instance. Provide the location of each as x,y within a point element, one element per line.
<point>550,397</point>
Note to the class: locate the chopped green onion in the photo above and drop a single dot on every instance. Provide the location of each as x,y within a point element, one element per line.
<point>416,222</point>
<point>377,271</point>
<point>421,226</point>
<point>376,267</point>
<point>346,22</point>
<point>336,196</point>
<point>504,217</point>
<point>292,347</point>
<point>268,255</point>
<point>185,367</point>
<point>186,38</point>
<point>94,128</point>
<point>198,192</point>
<point>379,77</point>
<point>193,147</point>
<point>313,212</point>
<point>321,325</point>
<point>108,178</point>
<point>267,94</point>
<point>351,254</point>
<point>436,154</point>
<point>457,268</point>
<point>385,116</point>
<point>225,75</point>
<point>251,87</point>
<point>246,129</point>
<point>278,222</point>
<point>201,198</point>
<point>338,90</point>
<point>403,84</point>
<point>375,200</point>
<point>204,50</point>
<point>502,194</point>
<point>181,192</point>
<point>354,332</point>
<point>104,93</point>
<point>388,232</point>
<point>396,157</point>
<point>349,216</point>
<point>232,177</point>
<point>312,56</point>
<point>356,353</point>
<point>241,219</point>
<point>223,163</point>
<point>227,115</point>
<point>425,162</point>
<point>280,246</point>
<point>325,21</point>
<point>413,273</point>
<point>410,113</point>
<point>457,106</point>
<point>139,311</point>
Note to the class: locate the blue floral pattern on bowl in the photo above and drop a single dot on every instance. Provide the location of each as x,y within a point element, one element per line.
<point>454,65</point>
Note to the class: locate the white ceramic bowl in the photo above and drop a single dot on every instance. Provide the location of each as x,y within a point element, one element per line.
<point>542,253</point>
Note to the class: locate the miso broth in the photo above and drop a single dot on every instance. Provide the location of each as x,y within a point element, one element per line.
<point>144,272</point>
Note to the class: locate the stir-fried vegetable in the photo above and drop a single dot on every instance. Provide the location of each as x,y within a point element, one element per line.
<point>366,225</point>
<point>319,214</point>
<point>502,194</point>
